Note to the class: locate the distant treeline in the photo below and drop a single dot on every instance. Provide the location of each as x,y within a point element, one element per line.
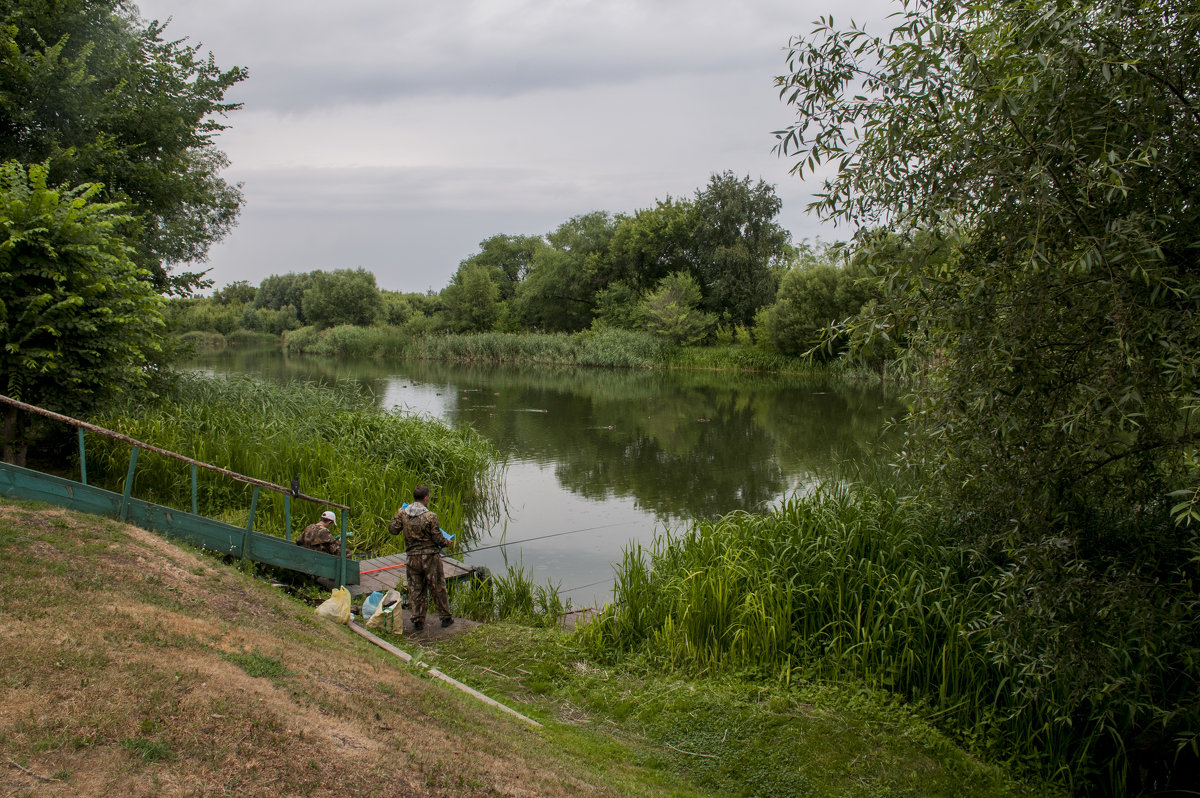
<point>714,269</point>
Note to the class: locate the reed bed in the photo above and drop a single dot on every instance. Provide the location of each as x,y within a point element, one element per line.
<point>202,341</point>
<point>248,339</point>
<point>512,597</point>
<point>350,341</point>
<point>604,347</point>
<point>850,585</point>
<point>611,348</point>
<point>333,438</point>
<point>739,358</point>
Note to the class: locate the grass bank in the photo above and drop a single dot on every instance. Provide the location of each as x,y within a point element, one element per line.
<point>132,666</point>
<point>334,438</point>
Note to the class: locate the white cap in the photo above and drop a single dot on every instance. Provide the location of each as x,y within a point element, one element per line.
<point>328,516</point>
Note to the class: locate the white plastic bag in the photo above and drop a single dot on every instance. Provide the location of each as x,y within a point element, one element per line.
<point>337,606</point>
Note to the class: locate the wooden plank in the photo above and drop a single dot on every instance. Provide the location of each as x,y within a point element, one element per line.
<point>434,672</point>
<point>387,572</point>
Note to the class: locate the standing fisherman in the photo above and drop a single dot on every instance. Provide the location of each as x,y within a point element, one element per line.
<point>423,542</point>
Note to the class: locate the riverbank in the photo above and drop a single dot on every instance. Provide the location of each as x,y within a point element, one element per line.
<point>332,438</point>
<point>135,666</point>
<point>603,348</point>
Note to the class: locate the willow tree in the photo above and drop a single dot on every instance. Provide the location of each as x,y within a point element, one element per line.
<point>1029,173</point>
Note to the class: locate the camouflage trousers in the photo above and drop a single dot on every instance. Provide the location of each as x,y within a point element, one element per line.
<point>424,576</point>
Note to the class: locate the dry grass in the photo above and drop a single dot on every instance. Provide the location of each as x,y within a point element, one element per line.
<point>124,670</point>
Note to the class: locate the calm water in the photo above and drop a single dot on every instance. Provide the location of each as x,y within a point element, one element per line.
<point>612,457</point>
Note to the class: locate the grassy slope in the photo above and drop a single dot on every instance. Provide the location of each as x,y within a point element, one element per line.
<point>129,665</point>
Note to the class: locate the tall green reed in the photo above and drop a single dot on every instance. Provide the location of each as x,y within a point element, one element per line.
<point>340,446</point>
<point>350,341</point>
<point>845,585</point>
<point>512,597</point>
<point>613,348</point>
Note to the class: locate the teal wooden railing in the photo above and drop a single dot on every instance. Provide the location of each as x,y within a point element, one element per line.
<point>25,483</point>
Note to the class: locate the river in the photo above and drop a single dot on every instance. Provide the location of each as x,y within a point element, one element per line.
<point>599,460</point>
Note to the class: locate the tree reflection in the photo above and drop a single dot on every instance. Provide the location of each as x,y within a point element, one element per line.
<point>680,444</point>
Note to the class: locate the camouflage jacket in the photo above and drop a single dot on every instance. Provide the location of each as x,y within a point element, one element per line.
<point>421,528</point>
<point>317,537</point>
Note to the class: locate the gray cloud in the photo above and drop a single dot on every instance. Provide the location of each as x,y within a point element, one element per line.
<point>396,135</point>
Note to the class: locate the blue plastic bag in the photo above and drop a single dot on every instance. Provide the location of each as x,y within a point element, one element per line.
<point>371,604</point>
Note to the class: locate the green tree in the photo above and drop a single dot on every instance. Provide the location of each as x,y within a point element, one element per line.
<point>397,309</point>
<point>280,290</point>
<point>672,310</point>
<point>816,294</point>
<point>79,321</point>
<point>738,248</point>
<point>510,257</point>
<point>343,296</point>
<point>1056,148</point>
<point>102,97</point>
<point>559,293</point>
<point>653,243</point>
<point>239,292</point>
<point>472,299</point>
<point>618,306</point>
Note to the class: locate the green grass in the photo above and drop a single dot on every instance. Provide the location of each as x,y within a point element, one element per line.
<point>202,341</point>
<point>250,339</point>
<point>604,348</point>
<point>256,664</point>
<point>733,734</point>
<point>333,438</point>
<point>854,586</point>
<point>149,750</point>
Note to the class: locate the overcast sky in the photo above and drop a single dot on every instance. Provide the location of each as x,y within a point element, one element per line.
<point>396,135</point>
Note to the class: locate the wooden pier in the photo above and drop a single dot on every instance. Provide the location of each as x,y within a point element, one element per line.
<point>385,573</point>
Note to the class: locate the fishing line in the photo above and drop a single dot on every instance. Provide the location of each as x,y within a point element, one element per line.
<point>583,587</point>
<point>539,537</point>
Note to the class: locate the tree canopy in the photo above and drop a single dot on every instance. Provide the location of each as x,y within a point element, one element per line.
<point>819,290</point>
<point>1026,179</point>
<point>79,321</point>
<point>342,296</point>
<point>102,97</point>
<point>737,246</point>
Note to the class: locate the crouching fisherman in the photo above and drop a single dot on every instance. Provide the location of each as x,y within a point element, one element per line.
<point>319,536</point>
<point>423,542</point>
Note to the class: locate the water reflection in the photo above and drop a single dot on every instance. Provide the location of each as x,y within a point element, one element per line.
<point>618,453</point>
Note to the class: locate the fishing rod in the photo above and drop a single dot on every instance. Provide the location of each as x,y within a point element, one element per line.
<point>508,543</point>
<point>540,537</point>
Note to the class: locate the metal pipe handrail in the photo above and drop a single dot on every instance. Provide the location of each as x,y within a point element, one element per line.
<point>166,452</point>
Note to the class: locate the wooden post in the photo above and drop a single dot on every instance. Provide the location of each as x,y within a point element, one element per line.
<point>342,554</point>
<point>128,484</point>
<point>287,516</point>
<point>195,511</point>
<point>82,460</point>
